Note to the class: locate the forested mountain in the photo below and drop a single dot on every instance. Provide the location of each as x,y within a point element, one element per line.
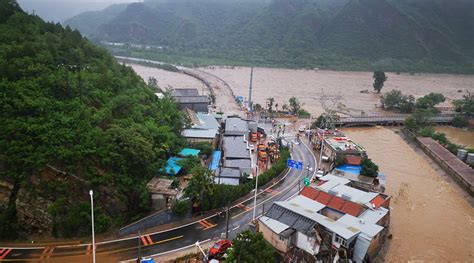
<point>73,119</point>
<point>423,35</point>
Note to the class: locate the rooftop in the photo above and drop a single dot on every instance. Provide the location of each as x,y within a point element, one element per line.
<point>235,147</point>
<point>216,157</point>
<point>229,172</point>
<point>161,186</point>
<point>236,126</point>
<point>276,226</point>
<point>239,163</point>
<point>192,99</point>
<point>343,144</point>
<point>184,92</point>
<point>334,202</point>
<point>172,167</point>
<point>370,229</point>
<point>189,152</point>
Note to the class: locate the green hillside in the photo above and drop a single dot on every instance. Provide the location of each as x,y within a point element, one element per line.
<point>398,35</point>
<point>73,119</point>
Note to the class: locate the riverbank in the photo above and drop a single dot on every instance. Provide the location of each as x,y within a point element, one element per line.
<point>432,219</point>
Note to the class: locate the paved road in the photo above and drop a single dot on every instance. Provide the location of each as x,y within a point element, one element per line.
<point>167,241</point>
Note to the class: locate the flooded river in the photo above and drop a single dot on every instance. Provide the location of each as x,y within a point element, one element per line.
<point>169,79</point>
<point>430,220</point>
<point>457,135</point>
<point>308,86</point>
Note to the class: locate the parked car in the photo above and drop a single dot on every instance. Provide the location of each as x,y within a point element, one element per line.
<point>219,248</point>
<point>320,173</point>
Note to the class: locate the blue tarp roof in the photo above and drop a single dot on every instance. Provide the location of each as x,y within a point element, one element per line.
<point>189,152</point>
<point>355,169</point>
<point>216,157</point>
<point>349,168</point>
<point>172,167</point>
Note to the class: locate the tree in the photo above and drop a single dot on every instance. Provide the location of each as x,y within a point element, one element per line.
<point>466,104</point>
<point>418,120</point>
<point>251,247</point>
<point>379,79</point>
<point>200,185</point>
<point>395,100</point>
<point>430,101</point>
<point>368,168</point>
<point>212,99</point>
<point>270,102</point>
<point>295,105</point>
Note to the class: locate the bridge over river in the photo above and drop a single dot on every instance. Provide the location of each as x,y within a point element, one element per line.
<point>394,120</point>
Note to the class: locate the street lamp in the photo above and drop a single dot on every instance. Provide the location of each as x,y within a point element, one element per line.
<point>255,194</point>
<point>91,193</point>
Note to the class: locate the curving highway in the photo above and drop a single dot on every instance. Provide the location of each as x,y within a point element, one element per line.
<point>168,241</point>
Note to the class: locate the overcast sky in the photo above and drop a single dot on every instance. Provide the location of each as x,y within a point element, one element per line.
<point>60,10</point>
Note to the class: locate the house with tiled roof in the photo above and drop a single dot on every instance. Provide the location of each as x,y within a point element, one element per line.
<point>327,218</point>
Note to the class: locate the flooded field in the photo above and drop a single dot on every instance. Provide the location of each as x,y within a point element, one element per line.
<point>430,220</point>
<point>169,79</point>
<point>457,135</point>
<point>308,86</point>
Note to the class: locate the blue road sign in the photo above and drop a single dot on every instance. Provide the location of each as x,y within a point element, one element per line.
<point>295,164</point>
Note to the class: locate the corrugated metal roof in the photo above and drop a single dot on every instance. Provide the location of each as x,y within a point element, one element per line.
<point>235,147</point>
<point>238,163</point>
<point>276,226</point>
<point>373,215</point>
<point>192,99</point>
<point>370,229</point>
<point>184,92</point>
<point>199,133</point>
<point>229,172</point>
<point>207,121</point>
<point>235,125</point>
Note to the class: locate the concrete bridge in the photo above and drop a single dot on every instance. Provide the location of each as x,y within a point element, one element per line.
<point>394,120</point>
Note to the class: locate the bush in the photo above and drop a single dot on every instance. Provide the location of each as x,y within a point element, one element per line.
<point>302,113</point>
<point>368,168</point>
<point>182,207</point>
<point>460,121</point>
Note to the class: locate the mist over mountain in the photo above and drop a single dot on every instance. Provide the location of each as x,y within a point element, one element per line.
<point>60,10</point>
<point>398,35</point>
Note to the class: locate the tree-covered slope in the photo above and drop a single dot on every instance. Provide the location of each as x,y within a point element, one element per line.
<point>73,119</point>
<point>425,35</point>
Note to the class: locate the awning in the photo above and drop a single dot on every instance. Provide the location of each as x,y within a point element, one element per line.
<point>216,157</point>
<point>189,152</point>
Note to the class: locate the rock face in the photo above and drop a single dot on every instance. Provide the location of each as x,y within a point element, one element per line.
<point>32,212</point>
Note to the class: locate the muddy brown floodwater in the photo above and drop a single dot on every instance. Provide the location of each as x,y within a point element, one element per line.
<point>457,135</point>
<point>430,220</point>
<point>307,86</point>
<point>168,78</point>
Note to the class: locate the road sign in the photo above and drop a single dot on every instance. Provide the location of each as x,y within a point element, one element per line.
<point>295,164</point>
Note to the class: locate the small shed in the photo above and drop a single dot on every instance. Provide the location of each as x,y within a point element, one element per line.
<point>161,192</point>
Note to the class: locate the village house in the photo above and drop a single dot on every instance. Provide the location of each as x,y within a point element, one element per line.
<point>328,218</point>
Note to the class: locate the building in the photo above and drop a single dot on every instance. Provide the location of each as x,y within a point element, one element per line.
<point>329,217</point>
<point>352,173</point>
<point>204,128</point>
<point>235,151</point>
<point>337,145</point>
<point>162,194</point>
<point>190,98</point>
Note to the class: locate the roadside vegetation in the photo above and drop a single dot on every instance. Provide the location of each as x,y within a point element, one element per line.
<point>205,195</point>
<point>250,247</point>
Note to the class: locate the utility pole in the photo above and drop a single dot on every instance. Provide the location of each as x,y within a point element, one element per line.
<point>91,193</point>
<point>227,222</point>
<point>250,90</point>
<point>139,246</point>
<point>255,194</point>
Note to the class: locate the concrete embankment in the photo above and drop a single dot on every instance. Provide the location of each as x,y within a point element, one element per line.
<point>449,162</point>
